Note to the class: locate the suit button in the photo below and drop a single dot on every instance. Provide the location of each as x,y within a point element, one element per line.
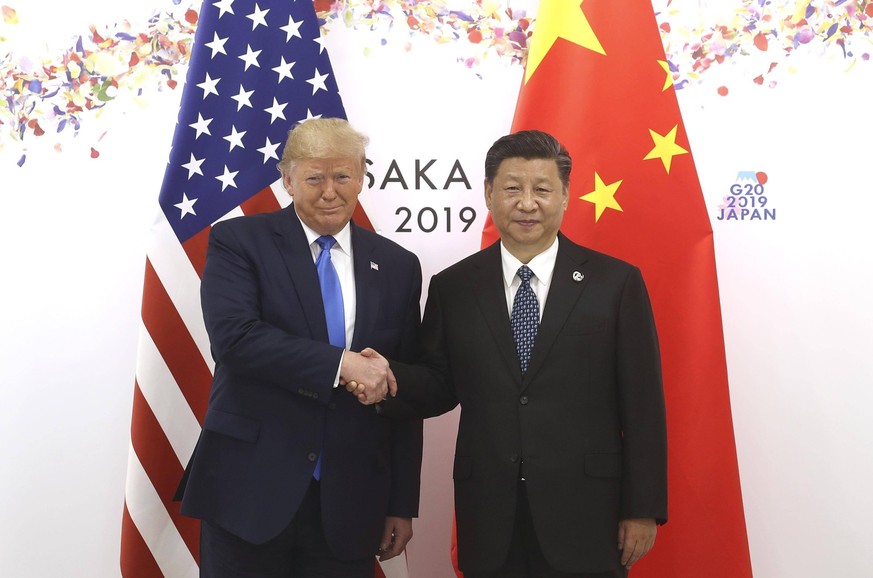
<point>314,395</point>
<point>514,458</point>
<point>331,405</point>
<point>523,400</point>
<point>312,456</point>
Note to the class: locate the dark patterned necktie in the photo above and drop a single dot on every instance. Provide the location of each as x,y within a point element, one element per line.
<point>332,295</point>
<point>525,317</point>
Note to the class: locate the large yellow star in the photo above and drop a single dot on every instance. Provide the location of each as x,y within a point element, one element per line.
<point>559,18</point>
<point>668,82</point>
<point>603,196</point>
<point>665,148</point>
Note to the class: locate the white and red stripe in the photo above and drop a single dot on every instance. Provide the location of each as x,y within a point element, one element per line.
<point>173,376</point>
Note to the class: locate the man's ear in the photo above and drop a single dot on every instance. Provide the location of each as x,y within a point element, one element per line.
<point>488,191</point>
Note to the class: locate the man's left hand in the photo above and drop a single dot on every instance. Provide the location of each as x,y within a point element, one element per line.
<point>398,532</point>
<point>636,536</point>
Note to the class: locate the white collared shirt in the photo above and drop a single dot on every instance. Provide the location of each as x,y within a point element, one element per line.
<point>341,257</point>
<point>543,265</point>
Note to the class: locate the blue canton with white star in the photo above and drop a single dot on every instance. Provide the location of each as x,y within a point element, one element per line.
<point>257,68</point>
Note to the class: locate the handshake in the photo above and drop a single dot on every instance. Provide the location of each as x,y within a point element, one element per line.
<point>367,376</point>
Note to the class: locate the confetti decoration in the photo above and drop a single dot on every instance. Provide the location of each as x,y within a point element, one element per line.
<point>52,94</point>
<point>839,31</point>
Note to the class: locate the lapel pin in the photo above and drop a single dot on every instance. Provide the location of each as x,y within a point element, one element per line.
<point>374,266</point>
<point>577,276</point>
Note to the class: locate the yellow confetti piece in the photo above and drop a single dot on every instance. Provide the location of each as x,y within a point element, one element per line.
<point>106,63</point>
<point>800,12</point>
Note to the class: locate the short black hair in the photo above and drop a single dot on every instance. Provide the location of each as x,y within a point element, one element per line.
<point>528,144</point>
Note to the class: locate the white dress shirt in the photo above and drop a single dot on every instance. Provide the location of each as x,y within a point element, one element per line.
<point>341,257</point>
<point>543,265</point>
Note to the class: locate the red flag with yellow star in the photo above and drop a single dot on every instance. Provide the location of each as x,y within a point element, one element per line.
<point>597,79</point>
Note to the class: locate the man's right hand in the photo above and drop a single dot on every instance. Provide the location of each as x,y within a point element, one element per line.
<point>361,390</point>
<point>365,375</point>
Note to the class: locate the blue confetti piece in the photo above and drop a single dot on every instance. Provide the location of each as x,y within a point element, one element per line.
<point>21,160</point>
<point>810,10</point>
<point>125,36</point>
<point>62,124</point>
<point>462,16</point>
<point>34,86</point>
<point>832,30</point>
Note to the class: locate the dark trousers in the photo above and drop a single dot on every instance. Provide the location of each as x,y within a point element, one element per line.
<point>300,551</point>
<point>526,559</point>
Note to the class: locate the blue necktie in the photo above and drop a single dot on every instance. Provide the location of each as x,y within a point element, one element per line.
<point>331,293</point>
<point>525,318</point>
<point>332,296</point>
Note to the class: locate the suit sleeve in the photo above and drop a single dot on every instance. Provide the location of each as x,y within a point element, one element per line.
<point>241,340</point>
<point>426,388</point>
<point>641,402</point>
<point>407,435</point>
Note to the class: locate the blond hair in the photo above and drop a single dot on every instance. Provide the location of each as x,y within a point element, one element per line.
<point>320,138</point>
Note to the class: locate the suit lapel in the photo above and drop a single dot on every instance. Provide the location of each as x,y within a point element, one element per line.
<point>565,290</point>
<point>366,266</point>
<point>487,282</point>
<point>297,257</point>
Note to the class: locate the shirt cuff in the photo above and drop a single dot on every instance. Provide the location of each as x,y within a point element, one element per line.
<point>338,369</point>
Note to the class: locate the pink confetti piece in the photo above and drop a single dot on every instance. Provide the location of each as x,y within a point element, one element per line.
<point>10,16</point>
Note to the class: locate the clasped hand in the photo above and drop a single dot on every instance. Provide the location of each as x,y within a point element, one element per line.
<point>366,375</point>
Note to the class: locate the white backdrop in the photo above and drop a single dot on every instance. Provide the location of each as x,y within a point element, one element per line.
<point>795,290</point>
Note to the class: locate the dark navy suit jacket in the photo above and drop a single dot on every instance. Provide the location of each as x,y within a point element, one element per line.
<point>273,407</point>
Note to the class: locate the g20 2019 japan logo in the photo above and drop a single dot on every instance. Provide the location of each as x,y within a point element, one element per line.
<point>748,199</point>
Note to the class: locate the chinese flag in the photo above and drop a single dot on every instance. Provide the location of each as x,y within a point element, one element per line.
<point>597,79</point>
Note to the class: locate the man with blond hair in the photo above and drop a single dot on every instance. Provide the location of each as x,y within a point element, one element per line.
<point>286,455</point>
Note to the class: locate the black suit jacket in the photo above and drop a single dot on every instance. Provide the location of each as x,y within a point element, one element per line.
<point>273,407</point>
<point>585,426</point>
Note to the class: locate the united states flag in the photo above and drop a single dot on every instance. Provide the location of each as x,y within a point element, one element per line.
<point>256,68</point>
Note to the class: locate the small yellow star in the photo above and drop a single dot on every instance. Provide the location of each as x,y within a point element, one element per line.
<point>668,82</point>
<point>603,196</point>
<point>559,18</point>
<point>665,148</point>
